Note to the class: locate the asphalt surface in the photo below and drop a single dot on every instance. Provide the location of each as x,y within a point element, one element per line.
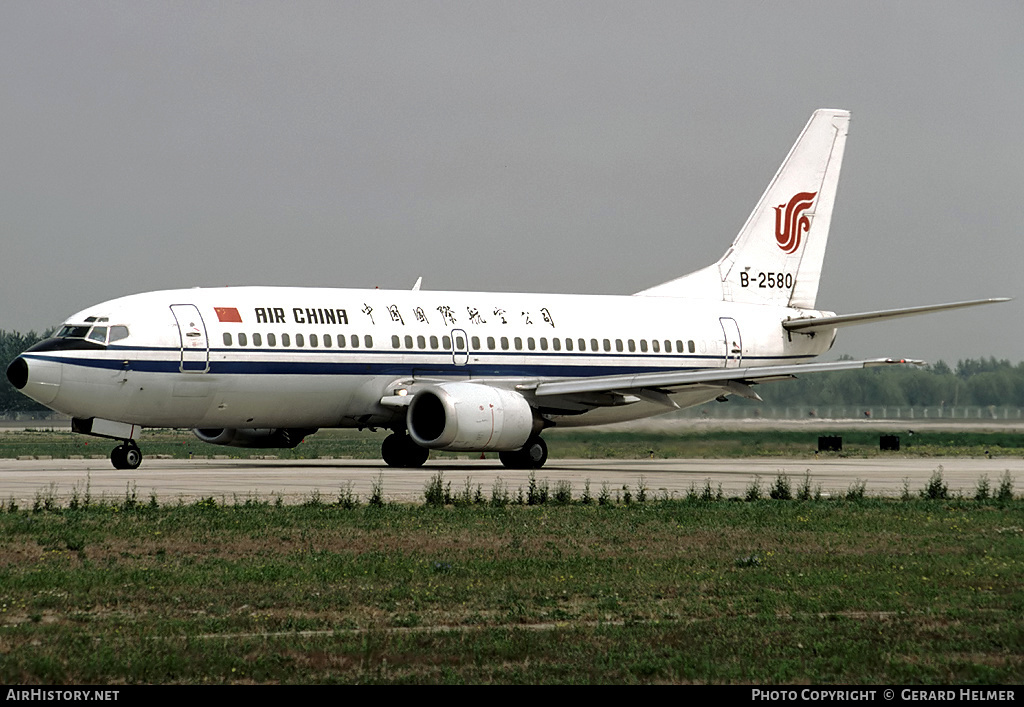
<point>231,480</point>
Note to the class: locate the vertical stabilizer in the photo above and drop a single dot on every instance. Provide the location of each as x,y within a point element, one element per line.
<point>778,254</point>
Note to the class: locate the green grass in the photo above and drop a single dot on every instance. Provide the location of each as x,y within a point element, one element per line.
<point>680,591</point>
<point>562,444</point>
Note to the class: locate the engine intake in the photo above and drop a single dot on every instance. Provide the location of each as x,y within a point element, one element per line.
<point>469,417</point>
<point>264,438</point>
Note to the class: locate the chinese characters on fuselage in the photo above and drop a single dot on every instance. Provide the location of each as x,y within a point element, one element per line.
<point>339,316</point>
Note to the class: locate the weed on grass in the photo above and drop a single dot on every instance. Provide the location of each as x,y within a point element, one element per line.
<point>499,494</point>
<point>1005,492</point>
<point>781,489</point>
<point>983,490</point>
<point>437,492</point>
<point>347,498</point>
<point>806,492</point>
<point>753,492</point>
<point>857,490</point>
<point>563,492</point>
<point>936,489</point>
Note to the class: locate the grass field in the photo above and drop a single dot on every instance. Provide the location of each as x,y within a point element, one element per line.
<point>562,444</point>
<point>660,591</point>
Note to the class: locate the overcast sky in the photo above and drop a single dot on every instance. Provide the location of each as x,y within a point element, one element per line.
<point>589,147</point>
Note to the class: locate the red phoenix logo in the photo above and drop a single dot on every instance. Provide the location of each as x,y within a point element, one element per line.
<point>791,225</point>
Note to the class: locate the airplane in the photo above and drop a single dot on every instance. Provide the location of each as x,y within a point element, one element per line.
<point>265,367</point>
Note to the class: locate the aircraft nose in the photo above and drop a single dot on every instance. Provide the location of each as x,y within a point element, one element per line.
<point>39,380</point>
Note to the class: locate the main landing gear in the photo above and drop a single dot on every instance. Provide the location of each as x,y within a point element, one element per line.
<point>532,456</point>
<point>400,451</point>
<point>126,455</point>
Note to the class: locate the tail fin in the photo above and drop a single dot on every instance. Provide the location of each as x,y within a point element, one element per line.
<point>778,254</point>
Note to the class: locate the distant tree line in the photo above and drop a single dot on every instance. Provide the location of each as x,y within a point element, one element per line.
<point>978,382</point>
<point>11,344</point>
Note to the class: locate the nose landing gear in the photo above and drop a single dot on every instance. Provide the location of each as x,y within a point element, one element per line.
<point>127,455</point>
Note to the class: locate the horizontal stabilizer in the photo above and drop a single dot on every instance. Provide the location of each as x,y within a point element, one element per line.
<point>810,324</point>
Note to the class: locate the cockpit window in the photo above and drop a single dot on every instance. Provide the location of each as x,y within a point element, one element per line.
<point>96,333</point>
<point>73,332</point>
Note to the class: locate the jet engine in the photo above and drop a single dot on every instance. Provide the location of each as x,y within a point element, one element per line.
<point>469,417</point>
<point>284,438</point>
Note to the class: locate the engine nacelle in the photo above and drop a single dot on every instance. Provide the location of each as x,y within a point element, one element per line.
<point>469,417</point>
<point>284,438</point>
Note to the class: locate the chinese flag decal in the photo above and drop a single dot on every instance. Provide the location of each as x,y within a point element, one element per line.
<point>228,314</point>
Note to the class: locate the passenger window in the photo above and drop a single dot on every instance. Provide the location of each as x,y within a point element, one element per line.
<point>408,341</point>
<point>314,340</point>
<point>355,341</point>
<point>632,346</point>
<point>519,343</point>
<point>668,346</point>
<point>257,340</point>
<point>227,339</point>
<point>593,345</point>
<point>530,343</point>
<point>504,343</point>
<point>607,345</point>
<point>327,341</point>
<point>421,342</point>
<point>368,340</point>
<point>243,340</point>
<point>568,344</point>
<point>655,346</point>
<point>341,341</point>
<point>476,343</point>
<point>433,343</point>
<point>300,340</point>
<point>271,339</point>
<point>679,346</point>
<point>692,347</point>
<point>490,343</point>
<point>447,341</point>
<point>395,342</point>
<point>643,345</point>
<point>618,345</point>
<point>544,343</point>
<point>286,340</point>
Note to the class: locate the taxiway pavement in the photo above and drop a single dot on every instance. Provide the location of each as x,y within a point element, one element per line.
<point>295,481</point>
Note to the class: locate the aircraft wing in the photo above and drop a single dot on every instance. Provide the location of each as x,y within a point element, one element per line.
<point>810,324</point>
<point>655,387</point>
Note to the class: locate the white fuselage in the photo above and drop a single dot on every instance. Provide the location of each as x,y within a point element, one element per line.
<point>256,357</point>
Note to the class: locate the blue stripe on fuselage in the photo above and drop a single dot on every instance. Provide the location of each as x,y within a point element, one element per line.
<point>431,363</point>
